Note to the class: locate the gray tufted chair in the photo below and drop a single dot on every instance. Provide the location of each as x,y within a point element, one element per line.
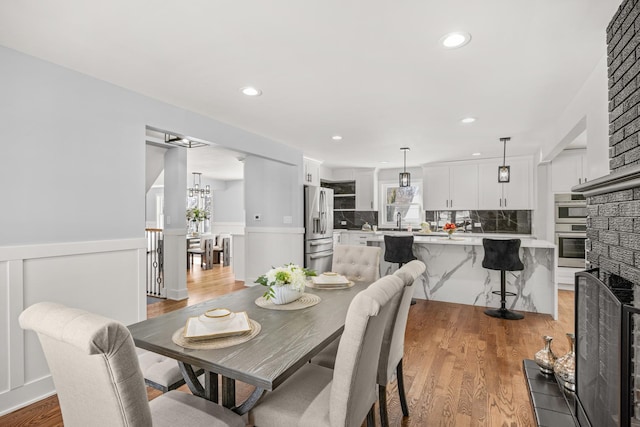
<point>95,370</point>
<point>357,263</point>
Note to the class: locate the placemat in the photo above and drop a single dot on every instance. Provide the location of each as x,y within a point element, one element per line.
<point>325,287</point>
<point>216,343</point>
<point>306,300</point>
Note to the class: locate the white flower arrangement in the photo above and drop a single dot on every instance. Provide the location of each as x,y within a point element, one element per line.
<point>289,274</point>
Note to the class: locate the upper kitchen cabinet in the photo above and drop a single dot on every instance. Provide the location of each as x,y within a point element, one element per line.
<point>311,172</point>
<point>365,194</point>
<point>514,195</point>
<point>568,169</point>
<point>451,187</point>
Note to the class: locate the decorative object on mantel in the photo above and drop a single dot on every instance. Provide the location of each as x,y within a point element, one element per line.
<point>196,190</point>
<point>504,171</point>
<point>450,228</point>
<point>405,177</point>
<point>565,367</point>
<point>545,357</point>
<point>285,284</point>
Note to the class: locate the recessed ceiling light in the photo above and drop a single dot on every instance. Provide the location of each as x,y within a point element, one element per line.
<point>468,120</point>
<point>476,154</point>
<point>455,39</point>
<point>336,137</point>
<point>384,161</point>
<point>251,91</point>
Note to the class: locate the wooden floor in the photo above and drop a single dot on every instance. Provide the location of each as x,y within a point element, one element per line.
<point>462,368</point>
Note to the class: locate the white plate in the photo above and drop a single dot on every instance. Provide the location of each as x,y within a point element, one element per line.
<point>205,319</point>
<point>325,279</point>
<point>197,329</point>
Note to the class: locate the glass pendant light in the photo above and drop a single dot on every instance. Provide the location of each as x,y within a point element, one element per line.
<point>405,177</point>
<point>504,171</point>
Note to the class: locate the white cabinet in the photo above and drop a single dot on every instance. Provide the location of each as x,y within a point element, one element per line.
<point>355,238</point>
<point>311,172</point>
<point>568,169</point>
<point>514,195</point>
<point>364,190</point>
<point>452,187</point>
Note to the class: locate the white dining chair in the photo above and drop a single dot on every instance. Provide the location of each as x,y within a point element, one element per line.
<point>344,396</point>
<point>356,262</point>
<point>392,350</point>
<point>97,377</point>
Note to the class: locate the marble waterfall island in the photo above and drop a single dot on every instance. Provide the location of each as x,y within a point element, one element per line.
<point>455,273</point>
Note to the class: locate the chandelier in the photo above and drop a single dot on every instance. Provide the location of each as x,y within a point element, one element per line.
<point>196,190</point>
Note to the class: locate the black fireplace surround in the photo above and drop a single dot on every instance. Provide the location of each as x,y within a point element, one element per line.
<point>604,319</point>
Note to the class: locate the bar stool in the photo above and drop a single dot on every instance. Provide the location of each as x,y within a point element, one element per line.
<point>399,249</point>
<point>502,255</point>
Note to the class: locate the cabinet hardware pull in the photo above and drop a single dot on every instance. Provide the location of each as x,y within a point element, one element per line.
<point>505,202</point>
<point>500,201</point>
<point>451,203</point>
<point>447,202</point>
<point>579,180</point>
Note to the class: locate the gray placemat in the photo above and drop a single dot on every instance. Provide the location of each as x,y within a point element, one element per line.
<point>306,300</point>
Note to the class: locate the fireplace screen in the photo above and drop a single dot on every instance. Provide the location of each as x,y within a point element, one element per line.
<point>598,366</point>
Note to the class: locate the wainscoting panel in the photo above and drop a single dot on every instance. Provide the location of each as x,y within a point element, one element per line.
<point>105,277</point>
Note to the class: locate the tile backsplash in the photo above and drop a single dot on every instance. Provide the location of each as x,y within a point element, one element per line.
<point>353,220</point>
<point>508,222</point>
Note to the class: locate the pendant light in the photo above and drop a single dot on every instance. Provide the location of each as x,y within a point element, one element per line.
<point>405,177</point>
<point>504,171</point>
<point>196,190</point>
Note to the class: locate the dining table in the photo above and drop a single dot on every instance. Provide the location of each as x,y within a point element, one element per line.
<point>287,340</point>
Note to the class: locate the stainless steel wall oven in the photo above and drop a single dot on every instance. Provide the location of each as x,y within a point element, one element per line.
<point>571,229</point>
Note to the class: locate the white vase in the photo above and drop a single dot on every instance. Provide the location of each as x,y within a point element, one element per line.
<point>286,294</point>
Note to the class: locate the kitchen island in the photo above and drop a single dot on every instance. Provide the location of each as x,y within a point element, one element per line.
<point>455,274</point>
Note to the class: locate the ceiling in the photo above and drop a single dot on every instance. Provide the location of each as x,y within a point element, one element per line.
<point>370,71</point>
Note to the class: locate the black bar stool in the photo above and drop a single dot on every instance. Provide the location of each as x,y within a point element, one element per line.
<point>502,255</point>
<point>399,249</point>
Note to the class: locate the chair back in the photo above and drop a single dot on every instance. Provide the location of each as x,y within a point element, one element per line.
<point>502,254</point>
<point>398,249</point>
<point>94,366</point>
<point>393,339</point>
<point>357,263</point>
<point>204,238</point>
<point>353,389</point>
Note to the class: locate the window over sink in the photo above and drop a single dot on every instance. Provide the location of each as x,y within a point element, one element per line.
<point>407,201</point>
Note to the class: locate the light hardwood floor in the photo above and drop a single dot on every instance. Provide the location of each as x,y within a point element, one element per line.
<point>462,368</point>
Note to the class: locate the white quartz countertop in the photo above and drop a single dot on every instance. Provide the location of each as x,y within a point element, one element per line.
<point>474,240</point>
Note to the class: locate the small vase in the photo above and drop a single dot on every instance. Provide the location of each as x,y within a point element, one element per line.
<point>545,357</point>
<point>286,294</point>
<point>450,233</point>
<point>565,366</point>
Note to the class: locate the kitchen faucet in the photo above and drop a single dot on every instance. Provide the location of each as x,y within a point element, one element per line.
<point>399,221</point>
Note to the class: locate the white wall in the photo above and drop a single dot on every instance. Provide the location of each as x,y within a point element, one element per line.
<point>72,172</point>
<point>228,202</point>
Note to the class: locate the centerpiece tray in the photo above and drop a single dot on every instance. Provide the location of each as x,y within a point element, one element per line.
<point>197,329</point>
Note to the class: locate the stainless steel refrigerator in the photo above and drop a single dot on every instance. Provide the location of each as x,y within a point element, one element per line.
<point>318,227</point>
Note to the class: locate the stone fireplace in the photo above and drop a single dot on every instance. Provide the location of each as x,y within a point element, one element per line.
<point>613,243</point>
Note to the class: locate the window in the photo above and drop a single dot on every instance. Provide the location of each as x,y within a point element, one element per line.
<point>407,201</point>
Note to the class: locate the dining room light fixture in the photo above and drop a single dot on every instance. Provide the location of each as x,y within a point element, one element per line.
<point>196,190</point>
<point>504,171</point>
<point>405,177</point>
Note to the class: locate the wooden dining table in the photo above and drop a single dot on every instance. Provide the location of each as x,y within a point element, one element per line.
<point>287,340</point>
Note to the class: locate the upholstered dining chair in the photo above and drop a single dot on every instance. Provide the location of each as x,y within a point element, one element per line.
<point>344,396</point>
<point>392,349</point>
<point>97,377</point>
<point>198,250</point>
<point>357,263</point>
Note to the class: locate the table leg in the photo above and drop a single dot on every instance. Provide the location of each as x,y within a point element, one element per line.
<point>246,406</point>
<point>228,392</point>
<point>210,389</point>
